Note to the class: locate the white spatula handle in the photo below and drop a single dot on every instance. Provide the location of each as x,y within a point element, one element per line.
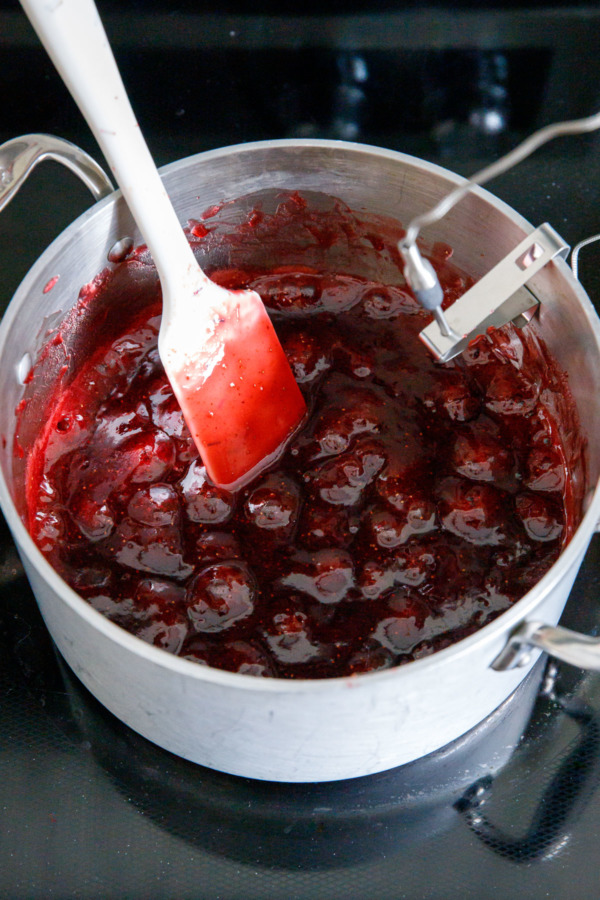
<point>74,37</point>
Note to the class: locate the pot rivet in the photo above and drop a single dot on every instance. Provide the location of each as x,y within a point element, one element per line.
<point>523,660</point>
<point>23,368</point>
<point>120,249</point>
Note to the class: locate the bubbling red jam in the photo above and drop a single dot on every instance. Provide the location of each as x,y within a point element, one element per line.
<point>417,502</point>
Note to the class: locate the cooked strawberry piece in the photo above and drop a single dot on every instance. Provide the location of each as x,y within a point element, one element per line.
<point>323,525</point>
<point>511,393</point>
<point>221,595</point>
<point>273,506</point>
<point>401,632</point>
<point>307,356</point>
<point>344,479</point>
<point>479,454</point>
<point>247,659</point>
<point>203,501</point>
<point>545,470</point>
<point>155,505</point>
<point>474,512</point>
<point>326,575</point>
<point>290,640</point>
<point>94,519</point>
<point>452,396</point>
<point>541,516</point>
<point>145,548</point>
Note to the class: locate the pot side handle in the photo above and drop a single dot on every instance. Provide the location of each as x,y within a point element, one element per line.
<point>19,156</point>
<point>569,646</point>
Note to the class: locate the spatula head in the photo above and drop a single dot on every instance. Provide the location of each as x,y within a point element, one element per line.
<point>233,382</point>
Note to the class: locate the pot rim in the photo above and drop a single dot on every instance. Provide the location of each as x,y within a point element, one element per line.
<point>486,635</point>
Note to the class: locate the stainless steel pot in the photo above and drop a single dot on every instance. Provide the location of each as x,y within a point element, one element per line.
<point>273,728</point>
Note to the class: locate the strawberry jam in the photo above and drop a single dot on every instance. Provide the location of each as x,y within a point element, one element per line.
<point>417,503</point>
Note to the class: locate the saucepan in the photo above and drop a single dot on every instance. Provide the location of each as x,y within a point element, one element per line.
<point>269,728</point>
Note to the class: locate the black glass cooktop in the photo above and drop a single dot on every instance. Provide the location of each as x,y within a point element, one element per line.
<point>87,808</point>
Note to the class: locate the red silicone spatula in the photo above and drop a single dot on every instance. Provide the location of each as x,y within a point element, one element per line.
<point>220,352</point>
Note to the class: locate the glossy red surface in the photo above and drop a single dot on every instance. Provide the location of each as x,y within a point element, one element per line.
<point>417,502</point>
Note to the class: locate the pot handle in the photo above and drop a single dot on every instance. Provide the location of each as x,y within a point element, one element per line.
<point>19,156</point>
<point>561,643</point>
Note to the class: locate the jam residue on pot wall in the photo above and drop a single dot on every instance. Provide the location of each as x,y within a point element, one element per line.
<point>416,504</point>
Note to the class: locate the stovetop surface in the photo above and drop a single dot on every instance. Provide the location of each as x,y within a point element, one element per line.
<point>89,809</point>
